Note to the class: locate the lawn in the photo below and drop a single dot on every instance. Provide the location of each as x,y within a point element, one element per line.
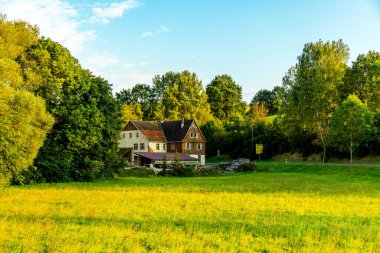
<point>293,207</point>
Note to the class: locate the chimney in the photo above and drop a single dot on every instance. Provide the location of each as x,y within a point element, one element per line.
<point>182,122</point>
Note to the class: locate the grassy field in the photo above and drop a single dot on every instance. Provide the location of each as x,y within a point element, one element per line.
<point>294,207</point>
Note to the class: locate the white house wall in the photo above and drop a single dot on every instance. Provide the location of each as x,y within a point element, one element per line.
<point>128,142</point>
<point>153,147</point>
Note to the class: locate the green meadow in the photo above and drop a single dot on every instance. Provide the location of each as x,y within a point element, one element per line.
<point>290,207</point>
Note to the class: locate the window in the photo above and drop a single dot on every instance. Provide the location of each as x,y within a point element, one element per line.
<point>188,146</point>
<point>142,146</point>
<point>164,146</point>
<point>123,135</point>
<point>173,146</point>
<point>135,146</point>
<point>130,135</point>
<point>158,146</point>
<point>199,146</point>
<point>193,135</point>
<point>137,135</point>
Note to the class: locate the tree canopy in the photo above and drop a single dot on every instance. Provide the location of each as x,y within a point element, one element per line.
<point>312,85</point>
<point>24,121</point>
<point>352,124</point>
<point>224,97</point>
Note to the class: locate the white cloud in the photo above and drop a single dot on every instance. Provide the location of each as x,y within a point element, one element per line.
<point>138,64</point>
<point>113,10</point>
<point>55,18</point>
<point>128,79</point>
<point>97,63</point>
<point>150,34</point>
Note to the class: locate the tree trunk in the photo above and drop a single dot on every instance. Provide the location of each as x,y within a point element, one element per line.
<point>351,159</point>
<point>323,144</point>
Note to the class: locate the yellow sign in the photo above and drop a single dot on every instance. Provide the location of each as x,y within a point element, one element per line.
<point>259,149</point>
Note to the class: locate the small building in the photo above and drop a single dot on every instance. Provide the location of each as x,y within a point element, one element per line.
<point>179,136</point>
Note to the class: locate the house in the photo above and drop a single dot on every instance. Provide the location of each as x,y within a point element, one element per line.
<point>139,138</point>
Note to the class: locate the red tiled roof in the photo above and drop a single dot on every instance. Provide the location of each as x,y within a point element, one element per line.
<point>168,156</point>
<point>151,129</point>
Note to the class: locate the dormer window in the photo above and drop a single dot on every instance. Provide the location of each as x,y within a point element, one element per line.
<point>193,135</point>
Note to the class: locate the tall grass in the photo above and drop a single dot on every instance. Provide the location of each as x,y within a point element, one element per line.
<point>295,211</point>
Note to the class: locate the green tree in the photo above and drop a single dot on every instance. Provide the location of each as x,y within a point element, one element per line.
<point>142,94</point>
<point>184,97</point>
<point>266,98</point>
<point>259,111</point>
<point>24,124</point>
<point>161,82</point>
<point>131,112</point>
<point>24,121</point>
<point>83,143</point>
<point>312,87</point>
<point>224,97</point>
<point>363,79</point>
<point>351,125</point>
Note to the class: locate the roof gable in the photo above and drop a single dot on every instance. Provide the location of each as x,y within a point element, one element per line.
<point>173,130</point>
<point>152,130</point>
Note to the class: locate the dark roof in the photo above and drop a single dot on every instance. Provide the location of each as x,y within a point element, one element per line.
<point>173,130</point>
<point>151,129</point>
<point>155,156</point>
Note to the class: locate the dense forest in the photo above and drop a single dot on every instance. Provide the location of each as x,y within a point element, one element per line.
<point>59,122</point>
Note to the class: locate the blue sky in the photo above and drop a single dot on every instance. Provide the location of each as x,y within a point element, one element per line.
<point>256,42</point>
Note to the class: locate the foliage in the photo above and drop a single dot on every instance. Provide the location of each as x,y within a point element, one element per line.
<point>24,124</point>
<point>83,143</point>
<point>312,87</point>
<point>24,121</point>
<point>184,96</point>
<point>259,112</point>
<point>135,172</point>
<point>224,97</point>
<point>141,95</point>
<point>131,112</point>
<point>351,125</point>
<point>268,98</point>
<point>214,133</point>
<point>363,80</point>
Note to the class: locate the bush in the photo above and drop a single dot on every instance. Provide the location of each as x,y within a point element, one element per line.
<point>203,171</point>
<point>136,172</point>
<point>247,167</point>
<point>178,170</point>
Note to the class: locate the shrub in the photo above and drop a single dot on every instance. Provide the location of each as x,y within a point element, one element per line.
<point>136,172</point>
<point>247,167</point>
<point>204,171</point>
<point>178,170</point>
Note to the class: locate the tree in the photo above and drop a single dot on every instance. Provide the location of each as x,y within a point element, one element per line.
<point>259,111</point>
<point>131,112</point>
<point>312,87</point>
<point>266,98</point>
<point>352,124</point>
<point>24,121</point>
<point>161,82</point>
<point>363,80</point>
<point>83,143</point>
<point>184,96</point>
<point>224,97</point>
<point>141,94</point>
